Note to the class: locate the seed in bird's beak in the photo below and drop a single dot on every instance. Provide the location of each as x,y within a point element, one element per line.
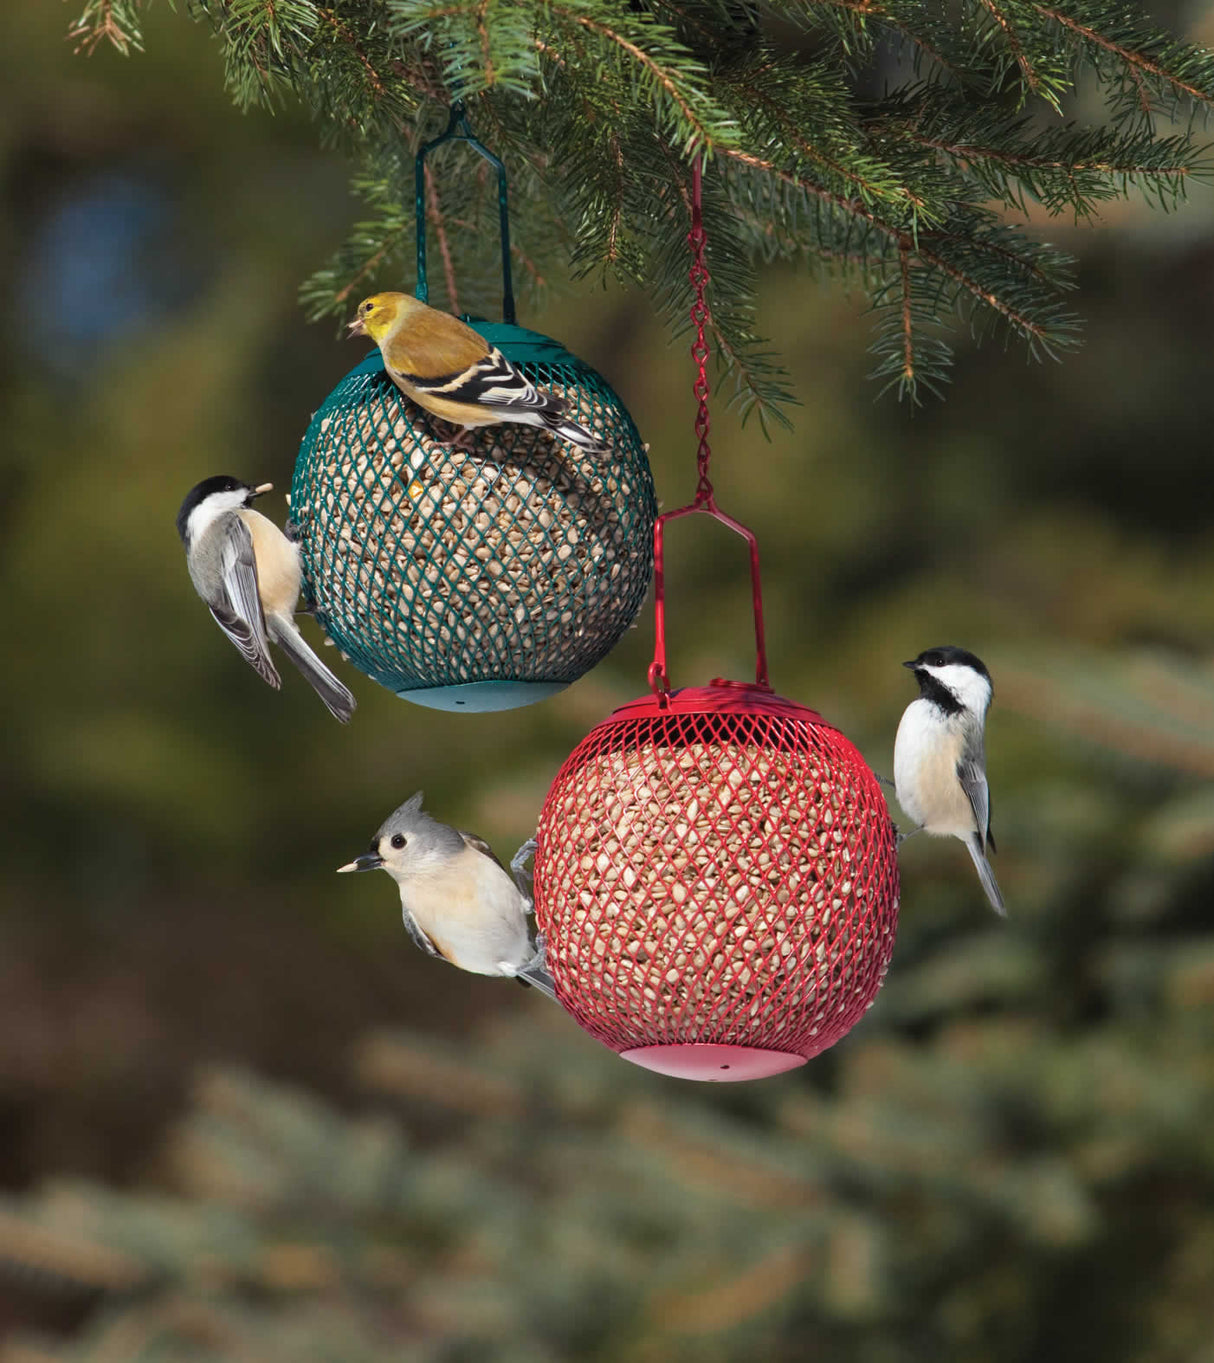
<point>263,488</point>
<point>369,861</point>
<point>356,328</point>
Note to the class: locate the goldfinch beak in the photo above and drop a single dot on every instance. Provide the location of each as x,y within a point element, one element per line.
<point>369,861</point>
<point>356,328</point>
<point>261,489</point>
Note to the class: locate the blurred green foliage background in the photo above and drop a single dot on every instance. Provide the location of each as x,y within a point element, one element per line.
<point>241,1118</point>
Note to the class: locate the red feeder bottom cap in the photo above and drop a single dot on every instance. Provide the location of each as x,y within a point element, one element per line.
<point>716,1064</point>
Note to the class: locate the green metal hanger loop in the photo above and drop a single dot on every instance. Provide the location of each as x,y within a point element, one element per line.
<point>460,130</point>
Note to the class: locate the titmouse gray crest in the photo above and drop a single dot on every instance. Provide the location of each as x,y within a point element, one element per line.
<point>248,573</point>
<point>939,756</point>
<point>458,901</point>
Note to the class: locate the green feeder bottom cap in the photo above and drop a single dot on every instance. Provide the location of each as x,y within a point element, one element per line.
<point>481,698</point>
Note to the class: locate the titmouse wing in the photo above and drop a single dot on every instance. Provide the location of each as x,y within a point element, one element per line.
<point>480,845</point>
<point>515,872</point>
<point>418,937</point>
<point>239,612</point>
<point>972,775</point>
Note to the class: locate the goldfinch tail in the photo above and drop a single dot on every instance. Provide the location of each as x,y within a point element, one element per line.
<point>564,429</point>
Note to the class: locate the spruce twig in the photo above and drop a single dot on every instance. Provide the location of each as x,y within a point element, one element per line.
<point>597,108</point>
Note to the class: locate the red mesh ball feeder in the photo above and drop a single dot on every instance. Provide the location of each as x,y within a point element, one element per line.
<point>716,877</point>
<point>716,872</point>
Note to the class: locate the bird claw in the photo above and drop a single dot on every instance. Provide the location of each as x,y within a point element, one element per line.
<point>885,781</point>
<point>519,860</point>
<point>902,837</point>
<point>540,960</point>
<point>463,439</point>
<point>524,881</point>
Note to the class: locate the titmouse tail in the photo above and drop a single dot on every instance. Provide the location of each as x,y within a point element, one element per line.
<point>565,429</point>
<point>535,972</point>
<point>339,701</point>
<point>985,874</point>
<point>538,978</point>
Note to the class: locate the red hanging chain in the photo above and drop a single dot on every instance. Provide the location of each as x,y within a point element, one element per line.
<point>697,239</point>
<point>705,498</point>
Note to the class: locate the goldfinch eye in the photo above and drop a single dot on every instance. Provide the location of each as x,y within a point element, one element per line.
<point>398,840</point>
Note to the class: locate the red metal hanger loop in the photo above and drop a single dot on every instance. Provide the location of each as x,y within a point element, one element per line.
<point>697,239</point>
<point>705,497</point>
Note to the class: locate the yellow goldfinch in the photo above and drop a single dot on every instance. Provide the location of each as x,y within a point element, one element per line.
<point>452,371</point>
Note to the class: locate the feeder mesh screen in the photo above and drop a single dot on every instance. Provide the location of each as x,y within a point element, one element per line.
<point>522,558</point>
<point>721,877</point>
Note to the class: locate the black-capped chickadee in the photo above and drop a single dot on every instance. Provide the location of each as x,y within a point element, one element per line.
<point>939,759</point>
<point>248,573</point>
<point>458,901</point>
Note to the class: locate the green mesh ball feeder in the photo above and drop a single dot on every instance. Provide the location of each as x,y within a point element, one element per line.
<point>478,578</point>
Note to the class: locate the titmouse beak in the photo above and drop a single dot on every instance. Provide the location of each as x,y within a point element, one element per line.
<point>356,328</point>
<point>261,489</point>
<point>369,861</point>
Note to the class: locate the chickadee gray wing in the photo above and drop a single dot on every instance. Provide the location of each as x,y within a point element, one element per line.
<point>238,612</point>
<point>972,775</point>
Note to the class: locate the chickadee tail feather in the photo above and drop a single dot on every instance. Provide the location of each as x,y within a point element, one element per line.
<point>985,874</point>
<point>337,698</point>
<point>565,429</point>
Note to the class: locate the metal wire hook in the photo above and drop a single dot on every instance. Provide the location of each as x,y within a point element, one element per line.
<point>458,129</point>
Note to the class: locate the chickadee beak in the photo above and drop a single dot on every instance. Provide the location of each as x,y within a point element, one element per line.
<point>912,664</point>
<point>356,328</point>
<point>369,861</point>
<point>261,489</point>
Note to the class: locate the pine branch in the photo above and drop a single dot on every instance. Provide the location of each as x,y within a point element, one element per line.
<point>476,43</point>
<point>1033,82</point>
<point>670,73</point>
<point>1164,72</point>
<point>115,22</point>
<point>597,107</point>
<point>1061,167</point>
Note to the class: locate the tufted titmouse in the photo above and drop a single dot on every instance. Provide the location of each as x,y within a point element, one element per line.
<point>248,573</point>
<point>458,901</point>
<point>939,760</point>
